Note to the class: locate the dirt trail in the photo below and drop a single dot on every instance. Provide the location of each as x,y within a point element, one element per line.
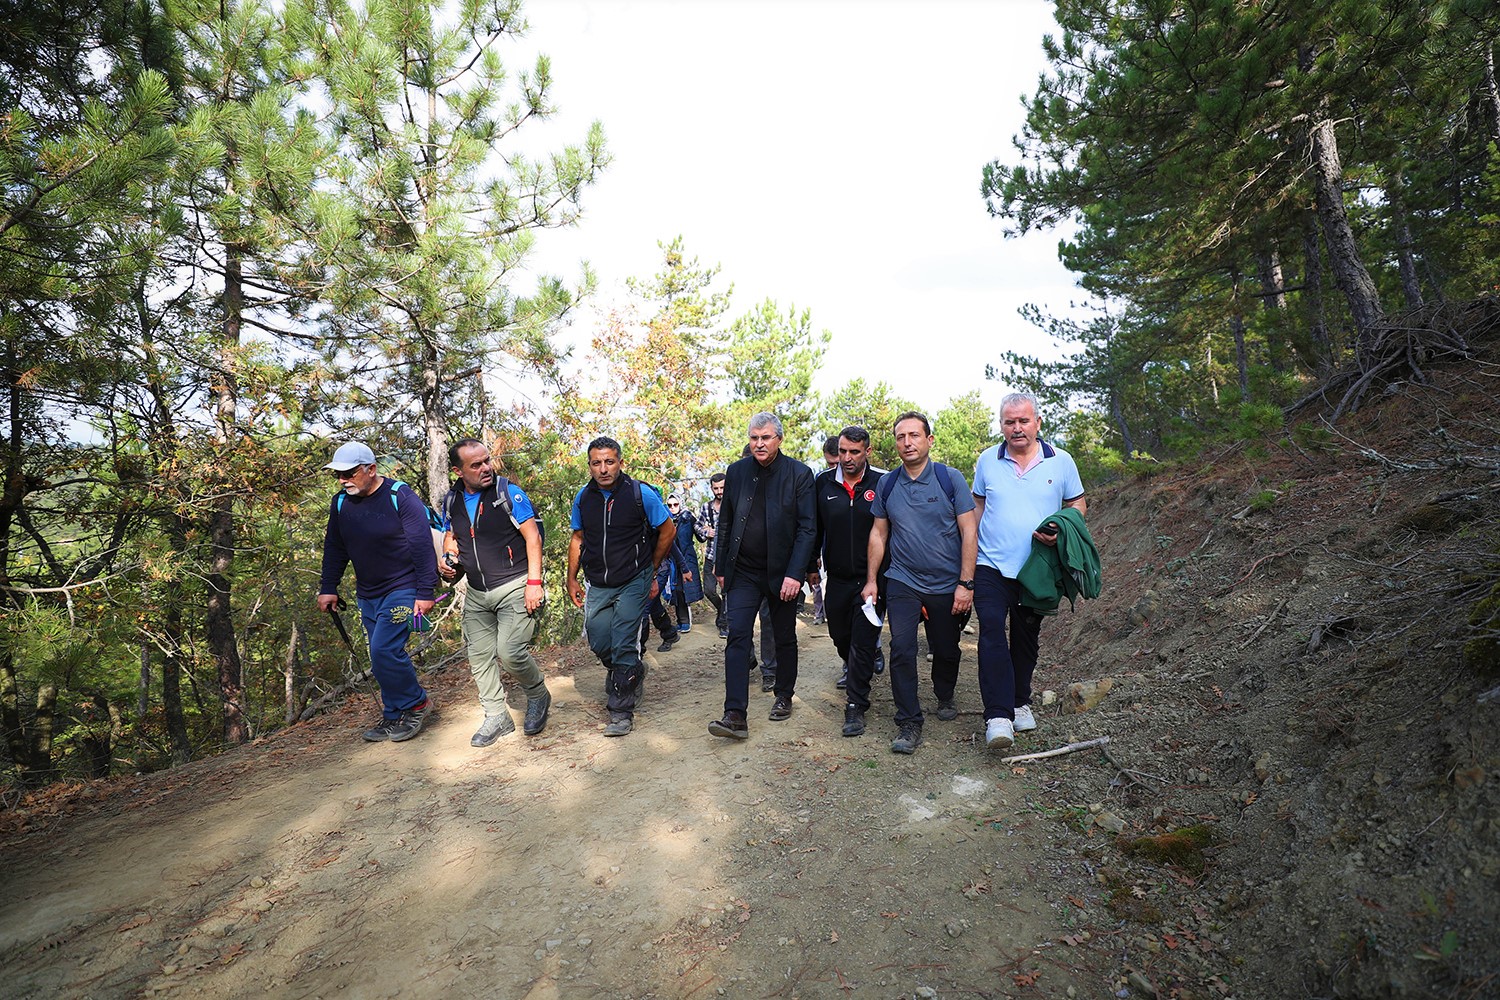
<point>664,864</point>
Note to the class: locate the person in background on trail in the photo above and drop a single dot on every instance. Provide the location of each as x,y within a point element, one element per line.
<point>683,578</point>
<point>814,579</point>
<point>924,517</point>
<point>1017,485</point>
<point>844,494</point>
<point>769,523</point>
<point>621,534</point>
<point>656,611</point>
<point>495,542</point>
<point>381,526</point>
<point>706,527</point>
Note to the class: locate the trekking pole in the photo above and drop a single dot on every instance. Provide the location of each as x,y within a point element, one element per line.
<point>338,622</point>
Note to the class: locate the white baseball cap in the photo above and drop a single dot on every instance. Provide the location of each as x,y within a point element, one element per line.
<point>351,456</point>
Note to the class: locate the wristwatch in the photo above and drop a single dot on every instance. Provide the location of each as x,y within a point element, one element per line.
<point>966,584</point>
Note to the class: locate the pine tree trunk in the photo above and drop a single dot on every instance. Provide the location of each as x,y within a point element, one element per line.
<point>171,668</point>
<point>1237,329</point>
<point>1349,271</point>
<point>38,769</point>
<point>11,497</point>
<point>1492,88</point>
<point>219,620</point>
<point>1273,299</point>
<point>1411,285</point>
<point>1312,291</point>
<point>289,674</point>
<point>1117,412</point>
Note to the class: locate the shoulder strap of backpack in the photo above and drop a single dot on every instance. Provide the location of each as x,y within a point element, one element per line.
<point>502,498</point>
<point>944,478</point>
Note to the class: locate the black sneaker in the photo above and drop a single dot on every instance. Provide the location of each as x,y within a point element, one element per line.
<point>908,741</point>
<point>768,682</point>
<point>854,721</point>
<point>947,711</point>
<point>667,642</point>
<point>411,721</point>
<point>843,681</point>
<point>536,713</point>
<point>723,631</point>
<point>381,732</point>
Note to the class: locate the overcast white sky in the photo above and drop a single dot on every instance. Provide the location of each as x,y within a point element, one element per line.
<point>826,153</point>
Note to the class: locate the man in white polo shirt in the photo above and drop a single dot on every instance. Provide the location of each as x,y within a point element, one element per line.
<point>1017,486</point>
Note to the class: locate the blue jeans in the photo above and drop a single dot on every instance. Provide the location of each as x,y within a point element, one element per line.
<point>903,611</point>
<point>742,602</point>
<point>387,621</point>
<point>1005,668</point>
<point>611,619</point>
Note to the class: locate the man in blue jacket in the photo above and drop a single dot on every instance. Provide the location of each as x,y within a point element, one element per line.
<point>621,534</point>
<point>766,528</point>
<point>383,529</point>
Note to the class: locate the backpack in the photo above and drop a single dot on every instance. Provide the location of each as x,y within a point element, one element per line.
<point>433,521</point>
<point>944,478</point>
<point>502,501</point>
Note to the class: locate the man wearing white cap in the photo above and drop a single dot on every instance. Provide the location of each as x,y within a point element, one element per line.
<point>381,526</point>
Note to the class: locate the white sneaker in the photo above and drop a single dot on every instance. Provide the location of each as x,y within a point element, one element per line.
<point>1025,721</point>
<point>999,733</point>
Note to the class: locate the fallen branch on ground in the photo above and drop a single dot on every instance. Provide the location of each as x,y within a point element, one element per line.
<point>1070,748</point>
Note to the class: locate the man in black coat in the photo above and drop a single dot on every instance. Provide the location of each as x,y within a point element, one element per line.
<point>767,525</point>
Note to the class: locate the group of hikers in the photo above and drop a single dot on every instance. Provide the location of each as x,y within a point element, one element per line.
<point>915,546</point>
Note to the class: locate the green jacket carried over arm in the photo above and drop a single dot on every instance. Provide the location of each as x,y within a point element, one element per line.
<point>1068,569</point>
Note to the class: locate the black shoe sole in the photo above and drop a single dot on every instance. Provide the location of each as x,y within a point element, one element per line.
<point>715,729</point>
<point>854,731</point>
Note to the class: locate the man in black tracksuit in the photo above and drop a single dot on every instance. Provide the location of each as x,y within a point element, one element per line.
<point>843,495</point>
<point>766,528</point>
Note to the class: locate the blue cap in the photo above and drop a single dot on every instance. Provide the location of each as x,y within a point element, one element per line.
<point>351,456</point>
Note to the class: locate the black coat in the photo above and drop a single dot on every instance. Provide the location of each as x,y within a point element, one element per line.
<point>791,517</point>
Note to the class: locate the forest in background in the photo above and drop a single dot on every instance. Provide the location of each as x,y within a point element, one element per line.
<point>234,234</point>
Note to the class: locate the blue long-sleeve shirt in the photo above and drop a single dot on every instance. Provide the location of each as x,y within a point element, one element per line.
<point>390,544</point>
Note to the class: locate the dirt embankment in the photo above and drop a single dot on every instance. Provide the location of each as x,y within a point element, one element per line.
<point>1301,796</point>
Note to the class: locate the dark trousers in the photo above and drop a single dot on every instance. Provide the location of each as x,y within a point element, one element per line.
<point>742,599</point>
<point>711,591</point>
<point>853,636</point>
<point>904,607</point>
<point>1005,668</point>
<point>656,614</point>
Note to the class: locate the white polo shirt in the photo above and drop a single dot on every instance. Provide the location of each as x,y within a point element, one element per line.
<point>1015,503</point>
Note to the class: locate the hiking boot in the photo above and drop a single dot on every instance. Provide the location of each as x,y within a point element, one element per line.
<point>381,732</point>
<point>909,740</point>
<point>732,726</point>
<point>781,710</point>
<point>536,712</point>
<point>843,681</point>
<point>768,682</point>
<point>946,710</point>
<point>1025,721</point>
<point>854,721</point>
<point>620,723</point>
<point>668,640</point>
<point>999,733</point>
<point>411,721</point>
<point>493,727</point>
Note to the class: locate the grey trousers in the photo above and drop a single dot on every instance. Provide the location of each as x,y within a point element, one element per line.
<point>498,632</point>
